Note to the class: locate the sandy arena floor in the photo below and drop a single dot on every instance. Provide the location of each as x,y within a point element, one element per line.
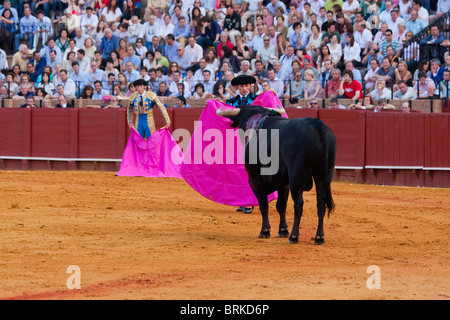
<point>141,238</point>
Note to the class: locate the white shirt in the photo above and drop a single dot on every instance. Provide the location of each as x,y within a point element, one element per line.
<point>352,53</point>
<point>424,15</point>
<point>253,5</point>
<point>165,30</point>
<point>349,7</point>
<point>394,25</point>
<point>69,87</point>
<point>93,20</point>
<point>195,54</point>
<point>385,16</point>
<point>363,38</point>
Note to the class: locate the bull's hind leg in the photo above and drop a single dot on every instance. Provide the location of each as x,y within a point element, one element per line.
<point>297,196</point>
<point>320,196</point>
<point>283,229</point>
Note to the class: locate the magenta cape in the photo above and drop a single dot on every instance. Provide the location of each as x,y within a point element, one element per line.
<point>159,156</point>
<point>224,180</point>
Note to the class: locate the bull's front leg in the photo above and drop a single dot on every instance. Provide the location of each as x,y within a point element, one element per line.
<point>261,195</point>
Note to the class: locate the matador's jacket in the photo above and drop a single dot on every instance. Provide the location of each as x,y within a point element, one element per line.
<point>145,122</point>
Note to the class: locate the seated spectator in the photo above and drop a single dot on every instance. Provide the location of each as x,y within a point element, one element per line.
<point>380,91</point>
<point>404,92</point>
<point>365,104</point>
<point>352,51</point>
<point>405,107</point>
<point>425,86</point>
<point>200,93</point>
<point>444,85</point>
<point>402,74</point>
<point>332,86</point>
<point>437,73</point>
<point>334,104</point>
<point>307,65</point>
<point>356,73</point>
<point>24,91</point>
<point>312,88</point>
<point>424,65</point>
<point>295,89</point>
<point>393,58</point>
<point>275,83</point>
<point>369,79</point>
<point>87,93</point>
<point>109,43</point>
<point>350,89</point>
<point>29,103</point>
<point>435,37</point>
<point>111,13</point>
<point>335,49</point>
<point>163,90</point>
<point>208,83</point>
<point>386,72</point>
<point>63,102</point>
<point>99,92</point>
<point>180,102</point>
<point>383,105</point>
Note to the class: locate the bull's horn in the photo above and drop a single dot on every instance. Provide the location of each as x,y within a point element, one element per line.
<point>228,112</point>
<point>279,110</point>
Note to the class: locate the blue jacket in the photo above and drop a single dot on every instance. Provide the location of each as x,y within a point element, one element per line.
<point>440,38</point>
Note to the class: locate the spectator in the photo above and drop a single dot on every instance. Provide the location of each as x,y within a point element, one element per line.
<point>232,24</point>
<point>79,77</point>
<point>257,41</point>
<point>380,91</point>
<point>394,20</point>
<point>29,103</point>
<point>405,107</point>
<point>131,57</point>
<point>88,22</point>
<point>389,42</point>
<point>99,92</point>
<point>208,83</point>
<point>181,102</point>
<point>404,92</point>
<point>444,85</point>
<point>7,30</point>
<point>383,105</point>
<point>148,31</point>
<point>182,60</point>
<point>393,58</point>
<point>266,53</point>
<point>131,73</point>
<point>369,77</point>
<point>27,27</point>
<point>311,87</point>
<point>210,33</point>
<point>163,90</point>
<point>363,37</point>
<point>414,24</point>
<point>402,74</point>
<point>111,13</point>
<point>69,84</point>
<point>334,104</point>
<point>245,68</point>
<point>421,11</point>
<point>365,104</point>
<point>386,72</point>
<point>335,49</point>
<point>109,43</point>
<point>327,73</point>
<point>63,102</point>
<point>275,83</point>
<point>260,71</point>
<point>22,57</point>
<point>182,31</point>
<point>425,87</point>
<point>72,48</point>
<point>435,37</point>
<point>249,9</point>
<point>350,89</point>
<point>299,39</point>
<point>437,73</point>
<point>200,93</point>
<point>166,27</point>
<point>307,65</point>
<point>194,51</point>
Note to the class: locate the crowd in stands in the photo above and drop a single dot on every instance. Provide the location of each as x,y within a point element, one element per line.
<point>314,49</point>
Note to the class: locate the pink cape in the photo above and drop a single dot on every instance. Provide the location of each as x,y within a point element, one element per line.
<point>225,181</point>
<point>159,156</point>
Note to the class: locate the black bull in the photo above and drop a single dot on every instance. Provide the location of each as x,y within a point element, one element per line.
<point>306,152</point>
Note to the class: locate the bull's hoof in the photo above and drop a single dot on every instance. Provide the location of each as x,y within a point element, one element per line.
<point>293,240</point>
<point>319,240</point>
<point>264,234</point>
<point>283,233</point>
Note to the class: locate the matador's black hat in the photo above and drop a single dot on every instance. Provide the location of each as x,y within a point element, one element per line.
<point>140,82</point>
<point>243,79</point>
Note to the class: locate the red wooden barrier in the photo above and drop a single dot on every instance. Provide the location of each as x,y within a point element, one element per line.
<point>437,150</point>
<point>349,129</point>
<point>382,148</point>
<point>394,148</point>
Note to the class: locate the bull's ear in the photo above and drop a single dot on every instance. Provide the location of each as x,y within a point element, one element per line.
<point>228,112</point>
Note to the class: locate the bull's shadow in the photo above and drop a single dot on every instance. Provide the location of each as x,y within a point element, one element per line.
<point>297,151</point>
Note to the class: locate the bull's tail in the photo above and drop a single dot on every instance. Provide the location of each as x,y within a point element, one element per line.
<point>329,152</point>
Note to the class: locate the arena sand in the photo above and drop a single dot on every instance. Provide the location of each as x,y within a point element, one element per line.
<point>142,238</point>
